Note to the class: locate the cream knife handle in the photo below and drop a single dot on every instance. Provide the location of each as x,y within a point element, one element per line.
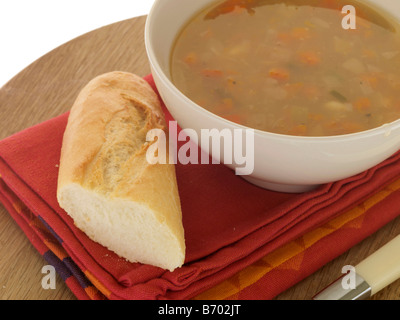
<point>382,267</point>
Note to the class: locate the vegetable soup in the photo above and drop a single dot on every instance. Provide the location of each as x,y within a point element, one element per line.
<point>290,67</point>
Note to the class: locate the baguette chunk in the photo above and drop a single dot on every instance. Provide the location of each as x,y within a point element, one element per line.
<point>106,184</point>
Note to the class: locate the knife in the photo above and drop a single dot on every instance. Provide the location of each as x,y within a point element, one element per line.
<point>370,276</point>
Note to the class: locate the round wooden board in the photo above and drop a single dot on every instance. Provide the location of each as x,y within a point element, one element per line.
<point>47,88</point>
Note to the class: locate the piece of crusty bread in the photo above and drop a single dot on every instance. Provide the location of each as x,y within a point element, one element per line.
<point>105,182</point>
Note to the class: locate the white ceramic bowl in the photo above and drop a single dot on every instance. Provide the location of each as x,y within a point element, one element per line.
<point>281,162</point>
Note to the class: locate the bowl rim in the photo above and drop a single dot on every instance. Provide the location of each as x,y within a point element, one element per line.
<point>384,129</point>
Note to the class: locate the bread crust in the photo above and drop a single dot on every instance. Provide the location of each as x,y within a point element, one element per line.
<point>104,148</point>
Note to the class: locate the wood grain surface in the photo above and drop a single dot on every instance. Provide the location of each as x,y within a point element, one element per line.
<point>48,88</point>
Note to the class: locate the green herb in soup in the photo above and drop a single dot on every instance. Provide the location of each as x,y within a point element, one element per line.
<point>289,67</point>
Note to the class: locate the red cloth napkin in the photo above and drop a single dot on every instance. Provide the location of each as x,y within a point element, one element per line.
<point>229,223</point>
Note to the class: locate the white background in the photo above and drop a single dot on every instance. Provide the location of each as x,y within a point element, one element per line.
<point>31,28</point>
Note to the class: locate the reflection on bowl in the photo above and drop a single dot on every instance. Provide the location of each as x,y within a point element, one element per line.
<point>281,162</point>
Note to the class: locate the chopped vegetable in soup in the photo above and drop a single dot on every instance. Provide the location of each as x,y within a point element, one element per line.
<point>289,67</point>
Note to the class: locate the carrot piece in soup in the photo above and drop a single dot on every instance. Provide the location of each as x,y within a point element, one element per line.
<point>396,84</point>
<point>362,104</point>
<point>299,130</point>
<point>300,33</point>
<point>238,10</point>
<point>309,24</point>
<point>224,8</point>
<point>396,106</point>
<point>279,74</point>
<point>309,58</point>
<point>225,106</point>
<point>232,87</point>
<point>311,92</point>
<point>352,127</point>
<point>237,118</point>
<point>191,58</point>
<point>364,23</point>
<point>368,34</point>
<point>230,83</point>
<point>297,33</point>
<point>293,89</point>
<point>315,116</point>
<point>207,34</point>
<point>212,73</point>
<point>368,53</point>
<point>284,37</point>
<point>333,127</point>
<point>331,4</point>
<point>371,79</point>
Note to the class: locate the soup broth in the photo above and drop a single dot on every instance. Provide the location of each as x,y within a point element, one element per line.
<point>289,66</point>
